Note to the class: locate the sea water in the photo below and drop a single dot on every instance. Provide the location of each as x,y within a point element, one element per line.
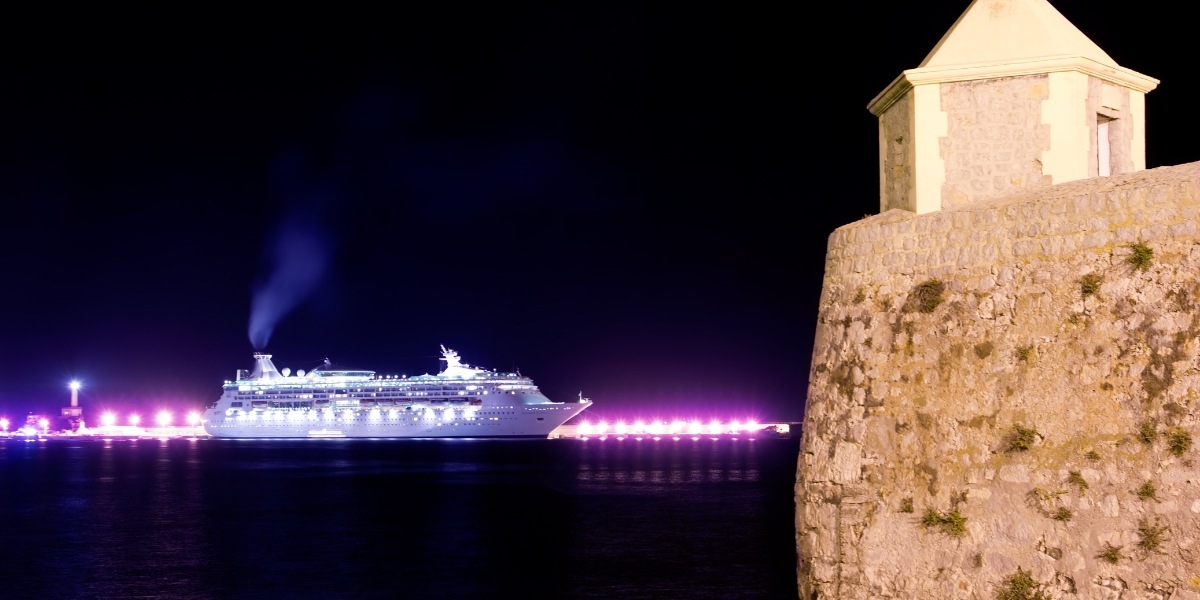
<point>567,518</point>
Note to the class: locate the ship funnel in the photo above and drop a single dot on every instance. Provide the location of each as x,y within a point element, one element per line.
<point>264,368</point>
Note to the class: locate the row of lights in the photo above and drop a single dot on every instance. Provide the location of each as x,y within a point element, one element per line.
<point>664,428</point>
<point>327,414</point>
<point>163,419</point>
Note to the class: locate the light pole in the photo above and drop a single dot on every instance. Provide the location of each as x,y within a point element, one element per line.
<point>74,413</point>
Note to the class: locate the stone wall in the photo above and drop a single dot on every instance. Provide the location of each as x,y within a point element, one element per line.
<point>995,137</point>
<point>1009,387</point>
<point>896,156</point>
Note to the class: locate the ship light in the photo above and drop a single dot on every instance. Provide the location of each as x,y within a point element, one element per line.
<point>193,419</point>
<point>585,428</point>
<point>392,413</point>
<point>657,428</point>
<point>428,413</point>
<point>620,428</point>
<point>448,414</point>
<point>374,414</point>
<point>134,420</point>
<point>164,419</point>
<point>3,424</point>
<point>714,428</point>
<point>694,427</point>
<point>108,419</point>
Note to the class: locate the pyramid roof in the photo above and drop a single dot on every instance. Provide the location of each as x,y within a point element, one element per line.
<point>995,31</point>
<point>1010,38</point>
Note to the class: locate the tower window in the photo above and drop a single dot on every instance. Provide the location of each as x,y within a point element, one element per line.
<point>1103,146</point>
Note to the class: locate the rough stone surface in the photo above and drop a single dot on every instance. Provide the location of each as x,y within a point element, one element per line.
<point>940,334</point>
<point>896,160</point>
<point>995,137</point>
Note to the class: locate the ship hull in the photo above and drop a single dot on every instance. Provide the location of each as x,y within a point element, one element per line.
<point>361,424</point>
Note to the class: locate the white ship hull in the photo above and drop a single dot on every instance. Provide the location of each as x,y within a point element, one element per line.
<point>459,402</point>
<point>405,424</point>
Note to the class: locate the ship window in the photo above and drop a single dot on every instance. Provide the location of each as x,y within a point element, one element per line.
<point>235,404</point>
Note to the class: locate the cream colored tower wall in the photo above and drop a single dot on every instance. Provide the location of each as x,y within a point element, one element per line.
<point>1071,139</point>
<point>1137,117</point>
<point>930,127</point>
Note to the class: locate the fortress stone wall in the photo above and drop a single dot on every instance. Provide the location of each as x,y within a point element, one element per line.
<point>1065,321</point>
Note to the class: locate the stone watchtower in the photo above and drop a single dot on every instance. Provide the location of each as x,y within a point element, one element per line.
<point>1005,384</point>
<point>1012,97</point>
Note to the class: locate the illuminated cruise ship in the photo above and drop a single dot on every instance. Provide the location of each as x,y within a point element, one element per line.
<point>460,401</point>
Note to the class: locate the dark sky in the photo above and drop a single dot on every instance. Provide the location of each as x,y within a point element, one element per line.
<point>623,199</point>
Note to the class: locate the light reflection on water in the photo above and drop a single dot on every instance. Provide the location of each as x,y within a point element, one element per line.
<point>667,462</point>
<point>187,518</point>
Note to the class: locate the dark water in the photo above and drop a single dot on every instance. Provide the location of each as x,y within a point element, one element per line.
<point>397,519</point>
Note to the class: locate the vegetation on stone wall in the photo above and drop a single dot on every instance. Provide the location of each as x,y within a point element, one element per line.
<point>1076,479</point>
<point>1179,441</point>
<point>1046,502</point>
<point>1140,256</point>
<point>1151,537</point>
<point>1110,554</point>
<point>1147,431</point>
<point>1021,438</point>
<point>951,523</point>
<point>1090,284</point>
<point>925,297</point>
<point>1022,586</point>
<point>1147,491</point>
<point>984,349</point>
<point>1024,353</point>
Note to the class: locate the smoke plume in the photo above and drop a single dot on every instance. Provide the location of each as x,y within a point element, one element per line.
<point>298,257</point>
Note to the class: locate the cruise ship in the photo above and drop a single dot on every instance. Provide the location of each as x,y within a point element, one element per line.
<point>328,402</point>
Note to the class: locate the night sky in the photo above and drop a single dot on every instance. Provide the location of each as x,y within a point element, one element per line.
<point>626,200</point>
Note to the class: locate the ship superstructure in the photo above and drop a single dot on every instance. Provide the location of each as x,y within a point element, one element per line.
<point>460,401</point>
